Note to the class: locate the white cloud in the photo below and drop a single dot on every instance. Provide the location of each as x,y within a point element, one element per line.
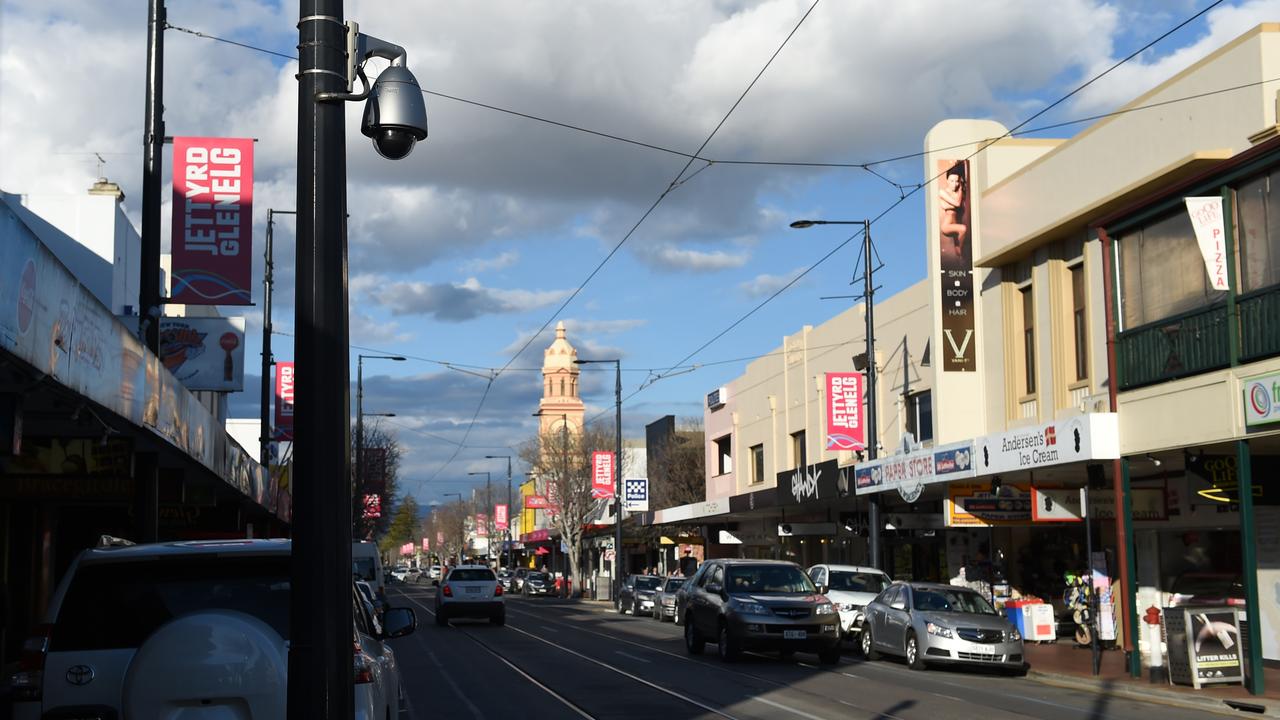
<point>669,257</point>
<point>764,285</point>
<point>499,262</point>
<point>452,302</point>
<point>365,329</point>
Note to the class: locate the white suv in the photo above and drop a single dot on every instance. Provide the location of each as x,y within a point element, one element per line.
<point>145,631</point>
<point>470,591</point>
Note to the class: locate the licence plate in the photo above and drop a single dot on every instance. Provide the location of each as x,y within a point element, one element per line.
<point>986,650</point>
<point>794,634</point>
<point>473,591</point>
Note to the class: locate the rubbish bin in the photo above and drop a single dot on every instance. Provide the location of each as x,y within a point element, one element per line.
<point>1204,645</point>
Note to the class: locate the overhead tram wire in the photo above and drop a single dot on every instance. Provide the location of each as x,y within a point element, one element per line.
<point>892,206</point>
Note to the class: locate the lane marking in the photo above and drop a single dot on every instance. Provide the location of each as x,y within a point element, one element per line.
<point>549,629</point>
<point>792,710</point>
<point>565,701</point>
<point>638,679</point>
<point>629,655</point>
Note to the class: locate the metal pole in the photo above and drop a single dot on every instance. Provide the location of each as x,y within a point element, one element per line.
<point>320,651</point>
<point>1092,597</point>
<point>1254,676</point>
<point>360,433</point>
<point>152,167</point>
<point>268,278</point>
<point>510,558</point>
<point>869,291</point>
<point>617,477</point>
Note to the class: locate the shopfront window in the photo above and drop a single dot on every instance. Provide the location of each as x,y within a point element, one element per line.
<point>1162,272</point>
<point>1259,232</point>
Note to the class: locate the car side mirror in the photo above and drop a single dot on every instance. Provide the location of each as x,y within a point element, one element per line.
<point>715,588</point>
<point>398,622</point>
<point>823,589</point>
<point>898,605</point>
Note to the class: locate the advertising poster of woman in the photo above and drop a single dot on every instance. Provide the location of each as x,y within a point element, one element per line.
<point>955,253</point>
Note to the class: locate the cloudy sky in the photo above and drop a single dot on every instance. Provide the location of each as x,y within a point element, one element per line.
<point>498,225</point>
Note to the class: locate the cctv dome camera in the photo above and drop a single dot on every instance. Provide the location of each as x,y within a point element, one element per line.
<point>395,115</point>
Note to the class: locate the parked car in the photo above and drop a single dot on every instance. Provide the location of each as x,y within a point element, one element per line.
<point>759,605</point>
<point>366,564</point>
<point>375,605</point>
<point>470,591</point>
<point>434,572</point>
<point>400,573</point>
<point>664,600</point>
<point>636,594</point>
<point>536,583</point>
<point>928,623</point>
<point>506,579</point>
<point>210,618</point>
<point>849,588</point>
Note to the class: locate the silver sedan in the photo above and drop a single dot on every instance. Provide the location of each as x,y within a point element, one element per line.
<point>928,623</point>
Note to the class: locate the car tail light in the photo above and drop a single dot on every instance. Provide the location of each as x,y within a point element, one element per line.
<point>363,665</point>
<point>497,591</point>
<point>1236,602</point>
<point>446,591</point>
<point>28,682</point>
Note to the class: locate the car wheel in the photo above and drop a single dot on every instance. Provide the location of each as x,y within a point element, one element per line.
<point>635,608</point>
<point>868,644</point>
<point>912,651</point>
<point>726,647</point>
<point>830,656</point>
<point>692,642</point>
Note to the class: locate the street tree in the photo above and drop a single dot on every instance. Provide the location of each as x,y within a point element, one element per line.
<point>561,462</point>
<point>382,453</point>
<point>677,466</point>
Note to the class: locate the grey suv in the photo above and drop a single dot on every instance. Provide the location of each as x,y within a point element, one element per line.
<point>759,605</point>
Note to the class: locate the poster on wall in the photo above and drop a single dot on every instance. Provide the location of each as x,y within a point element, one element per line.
<point>212,221</point>
<point>955,252</point>
<point>204,353</point>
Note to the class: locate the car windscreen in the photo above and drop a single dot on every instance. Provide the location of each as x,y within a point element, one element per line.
<point>673,585</point>
<point>471,575</point>
<point>858,581</point>
<point>957,601</point>
<point>118,605</point>
<point>648,583</point>
<point>364,569</point>
<point>768,579</point>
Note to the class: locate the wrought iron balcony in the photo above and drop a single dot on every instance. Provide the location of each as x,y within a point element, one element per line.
<point>1175,347</point>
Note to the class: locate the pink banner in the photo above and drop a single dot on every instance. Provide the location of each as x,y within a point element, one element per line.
<point>406,549</point>
<point>500,517</point>
<point>482,525</point>
<point>601,475</point>
<point>535,502</point>
<point>845,427</point>
<point>212,221</point>
<point>284,401</point>
<point>426,545</point>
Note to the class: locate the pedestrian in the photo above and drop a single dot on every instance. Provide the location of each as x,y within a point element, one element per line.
<point>688,564</point>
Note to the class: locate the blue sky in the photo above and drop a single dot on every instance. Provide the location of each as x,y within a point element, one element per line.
<point>462,251</point>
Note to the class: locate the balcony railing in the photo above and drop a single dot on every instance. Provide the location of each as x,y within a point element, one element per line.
<point>1259,324</point>
<point>1179,346</point>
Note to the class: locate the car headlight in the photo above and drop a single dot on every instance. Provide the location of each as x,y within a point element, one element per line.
<point>1012,635</point>
<point>824,609</point>
<point>939,630</point>
<point>669,602</point>
<point>750,607</point>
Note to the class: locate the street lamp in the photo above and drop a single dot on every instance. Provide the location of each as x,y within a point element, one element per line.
<point>508,528</point>
<point>617,470</point>
<point>462,527</point>
<point>360,413</point>
<point>488,501</point>
<point>873,441</point>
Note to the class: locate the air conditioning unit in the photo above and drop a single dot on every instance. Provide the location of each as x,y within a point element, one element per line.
<point>716,398</point>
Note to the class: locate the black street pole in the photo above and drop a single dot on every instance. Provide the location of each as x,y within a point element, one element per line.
<point>320,651</point>
<point>268,278</point>
<point>359,460</point>
<point>617,474</point>
<point>873,435</point>
<point>153,146</point>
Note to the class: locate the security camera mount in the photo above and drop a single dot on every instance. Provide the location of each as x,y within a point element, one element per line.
<point>360,49</point>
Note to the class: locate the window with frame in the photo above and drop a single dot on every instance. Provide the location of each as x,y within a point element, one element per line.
<point>757,464</point>
<point>1162,272</point>
<point>724,455</point>
<point>1028,339</point>
<point>1258,224</point>
<point>799,456</point>
<point>1079,321</point>
<point>920,415</point>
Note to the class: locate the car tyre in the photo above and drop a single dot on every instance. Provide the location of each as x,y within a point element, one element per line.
<point>912,653</point>
<point>635,608</point>
<point>726,646</point>
<point>830,656</point>
<point>692,642</point>
<point>868,644</point>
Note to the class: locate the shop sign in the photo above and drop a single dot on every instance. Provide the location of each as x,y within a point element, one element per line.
<point>974,504</point>
<point>205,353</point>
<point>1262,400</point>
<point>1206,220</point>
<point>746,502</point>
<point>811,483</point>
<point>680,513</point>
<point>535,502</point>
<point>1223,484</point>
<point>955,260</point>
<point>909,473</point>
<point>536,536</point>
<point>1093,436</point>
<point>845,430</point>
